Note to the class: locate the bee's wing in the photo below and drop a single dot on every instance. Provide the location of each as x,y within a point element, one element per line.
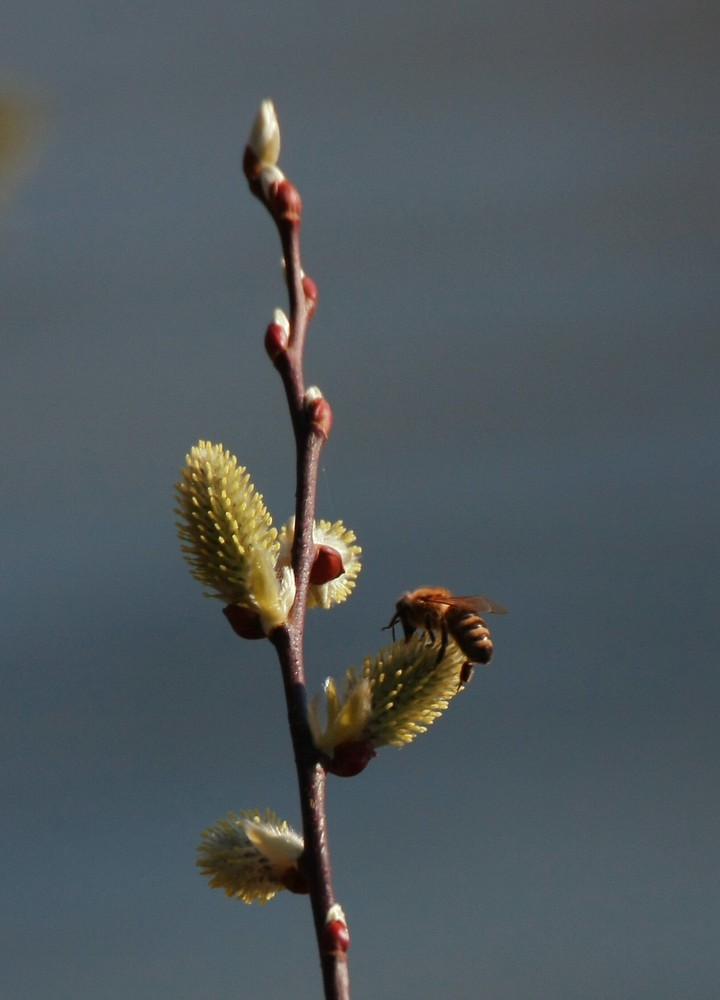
<point>477,603</point>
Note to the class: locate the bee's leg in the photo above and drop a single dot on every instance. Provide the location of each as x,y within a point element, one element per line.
<point>443,640</point>
<point>391,624</point>
<point>465,674</point>
<point>428,629</point>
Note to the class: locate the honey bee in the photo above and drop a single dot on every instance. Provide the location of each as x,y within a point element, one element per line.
<point>434,609</point>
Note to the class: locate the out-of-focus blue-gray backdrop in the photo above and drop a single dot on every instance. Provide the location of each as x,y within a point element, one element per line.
<point>511,212</point>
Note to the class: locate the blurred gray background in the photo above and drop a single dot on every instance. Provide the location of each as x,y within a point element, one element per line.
<point>511,212</point>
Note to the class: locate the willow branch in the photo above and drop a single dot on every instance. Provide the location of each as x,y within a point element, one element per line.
<point>311,420</point>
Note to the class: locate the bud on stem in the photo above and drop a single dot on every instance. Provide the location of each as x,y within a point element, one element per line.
<point>282,197</point>
<point>264,140</point>
<point>277,336</point>
<point>336,936</point>
<point>244,622</point>
<point>311,295</point>
<point>351,758</point>
<point>327,565</point>
<point>319,412</point>
<point>260,167</point>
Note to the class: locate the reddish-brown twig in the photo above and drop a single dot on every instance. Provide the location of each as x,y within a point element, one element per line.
<point>311,419</point>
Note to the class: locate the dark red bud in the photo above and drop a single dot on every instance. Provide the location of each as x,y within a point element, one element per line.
<point>321,416</point>
<point>351,758</point>
<point>336,937</point>
<point>276,341</point>
<point>327,565</point>
<point>311,295</point>
<point>284,201</point>
<point>252,167</point>
<point>244,622</point>
<point>295,881</point>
